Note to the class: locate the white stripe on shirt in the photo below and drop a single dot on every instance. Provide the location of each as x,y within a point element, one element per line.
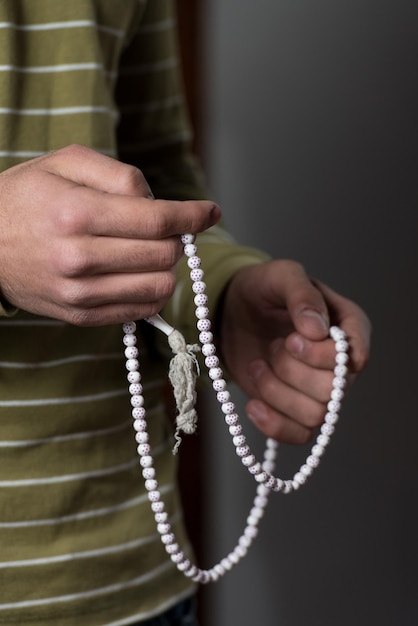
<point>77,517</point>
<point>93,592</point>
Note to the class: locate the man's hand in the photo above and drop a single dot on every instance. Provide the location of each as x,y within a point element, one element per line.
<point>83,240</point>
<point>274,340</point>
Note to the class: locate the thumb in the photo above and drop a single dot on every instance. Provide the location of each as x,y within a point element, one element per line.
<point>306,305</point>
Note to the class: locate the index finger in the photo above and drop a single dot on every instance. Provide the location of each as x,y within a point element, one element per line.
<point>113,215</point>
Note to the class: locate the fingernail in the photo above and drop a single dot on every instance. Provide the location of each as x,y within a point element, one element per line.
<point>295,344</point>
<point>215,214</point>
<point>257,413</point>
<point>319,319</point>
<point>256,368</point>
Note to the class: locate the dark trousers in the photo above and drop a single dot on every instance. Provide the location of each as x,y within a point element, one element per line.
<point>183,614</point>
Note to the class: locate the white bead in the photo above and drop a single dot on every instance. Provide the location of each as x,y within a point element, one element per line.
<point>271,481</point>
<point>240,551</point>
<point>323,440</point>
<point>154,496</point>
<point>163,528</point>
<point>261,477</point>
<point>341,345</point>
<point>223,396</point>
<point>173,548</point>
<point>177,557</point>
<point>260,502</point>
<point>148,473</point>
<point>255,468</point>
<point>169,537</point>
<point>142,437</point>
<point>205,337</point>
<point>134,377</point>
<point>211,362</point>
<point>300,478</point>
<point>132,364</point>
<point>251,530</point>
<point>140,425</point>
<point>244,541</point>
<point>160,518</point>
<point>248,460</point>
<point>151,484</point>
<point>270,454</point>
<point>318,450</point>
<point>312,461</point>
<point>194,262</point>
<point>199,287</point>
<point>196,274</point>
<point>135,389</point>
<point>200,299</point>
<point>337,394</point>
<point>219,569</point>
<point>184,565</point>
<point>137,401</point>
<point>187,238</point>
<point>239,440</point>
<point>340,370</point>
<point>215,373</point>
<point>338,382</point>
<point>192,572</point>
<point>203,325</point>
<point>208,349</point>
<point>138,413</point>
<point>129,340</point>
<point>157,507</point>
<point>228,408</point>
<point>219,384</point>
<point>235,430</point>
<point>146,461</point>
<point>129,328</point>
<point>232,419</point>
<point>144,449</point>
<point>234,558</point>
<point>202,312</point>
<point>190,249</point>
<point>288,486</point>
<point>333,406</point>
<point>131,352</point>
<point>327,429</point>
<point>257,512</point>
<point>336,333</point>
<point>268,466</point>
<point>263,491</point>
<point>331,418</point>
<point>341,358</point>
<point>226,563</point>
<point>306,469</point>
<point>242,451</point>
<point>279,485</point>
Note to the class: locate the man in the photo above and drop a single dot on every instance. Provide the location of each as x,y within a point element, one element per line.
<point>84,246</point>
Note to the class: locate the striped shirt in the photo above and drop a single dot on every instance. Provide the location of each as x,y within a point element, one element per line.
<point>78,542</point>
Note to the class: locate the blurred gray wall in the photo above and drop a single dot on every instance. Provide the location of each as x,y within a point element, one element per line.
<point>311,146</point>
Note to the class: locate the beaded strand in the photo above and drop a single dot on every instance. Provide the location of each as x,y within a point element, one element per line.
<point>262,472</point>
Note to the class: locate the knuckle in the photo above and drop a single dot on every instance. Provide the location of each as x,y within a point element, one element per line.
<point>74,295</point>
<point>71,261</point>
<point>69,220</point>
<point>132,181</point>
<point>165,285</point>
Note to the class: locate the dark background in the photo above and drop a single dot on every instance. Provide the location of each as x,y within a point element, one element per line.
<point>307,120</point>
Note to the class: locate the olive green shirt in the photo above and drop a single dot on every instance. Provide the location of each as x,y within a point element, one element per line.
<point>78,542</point>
